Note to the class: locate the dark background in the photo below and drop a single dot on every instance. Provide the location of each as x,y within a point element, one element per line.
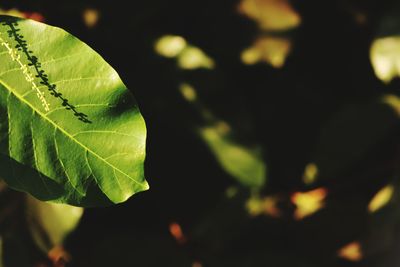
<point>322,106</point>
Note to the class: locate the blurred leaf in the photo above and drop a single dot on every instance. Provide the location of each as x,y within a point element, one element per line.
<point>271,50</point>
<point>308,203</point>
<point>351,252</point>
<point>267,205</point>
<point>271,15</point>
<point>381,198</point>
<point>310,173</point>
<point>189,57</point>
<point>385,57</point>
<point>50,223</point>
<point>176,231</point>
<point>393,101</point>
<point>170,45</point>
<point>243,163</point>
<point>70,130</point>
<point>194,58</point>
<point>188,92</point>
<point>91,17</point>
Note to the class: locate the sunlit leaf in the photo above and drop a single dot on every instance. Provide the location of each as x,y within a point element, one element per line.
<point>393,101</point>
<point>243,163</point>
<point>194,58</point>
<point>271,50</point>
<point>170,45</point>
<point>385,57</point>
<point>188,92</point>
<point>70,131</point>
<point>50,223</point>
<point>351,252</point>
<point>310,173</point>
<point>308,203</point>
<point>256,206</point>
<point>271,14</point>
<point>381,198</point>
<point>189,57</point>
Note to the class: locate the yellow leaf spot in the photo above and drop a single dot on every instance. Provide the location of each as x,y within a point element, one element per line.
<point>170,45</point>
<point>254,206</point>
<point>270,50</point>
<point>385,57</point>
<point>308,203</point>
<point>381,198</point>
<point>194,58</point>
<point>268,206</point>
<point>188,92</point>
<point>273,15</point>
<point>393,101</point>
<point>310,173</point>
<point>351,252</point>
<point>91,16</point>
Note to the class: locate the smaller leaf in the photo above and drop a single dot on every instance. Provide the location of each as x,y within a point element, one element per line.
<point>265,49</point>
<point>351,252</point>
<point>381,198</point>
<point>385,57</point>
<point>271,15</point>
<point>50,223</point>
<point>243,163</point>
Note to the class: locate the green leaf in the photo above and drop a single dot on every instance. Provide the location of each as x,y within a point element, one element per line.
<point>70,131</point>
<point>50,223</point>
<point>245,164</point>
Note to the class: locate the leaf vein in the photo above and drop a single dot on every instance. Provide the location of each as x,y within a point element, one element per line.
<point>65,132</point>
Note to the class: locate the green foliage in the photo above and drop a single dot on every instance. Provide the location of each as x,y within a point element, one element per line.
<point>244,164</point>
<point>70,131</point>
<point>50,223</point>
<point>296,99</point>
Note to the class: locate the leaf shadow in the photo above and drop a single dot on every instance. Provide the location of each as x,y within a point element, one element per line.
<point>15,33</point>
<point>47,189</point>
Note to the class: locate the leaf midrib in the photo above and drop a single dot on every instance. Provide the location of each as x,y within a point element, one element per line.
<point>9,88</point>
